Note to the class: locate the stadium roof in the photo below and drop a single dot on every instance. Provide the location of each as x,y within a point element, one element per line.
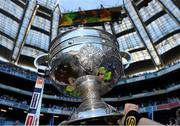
<point>149,29</point>
<point>86,4</point>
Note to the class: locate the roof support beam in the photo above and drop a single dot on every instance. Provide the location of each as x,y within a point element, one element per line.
<point>55,22</point>
<point>113,28</point>
<point>140,27</point>
<point>24,30</point>
<point>107,27</point>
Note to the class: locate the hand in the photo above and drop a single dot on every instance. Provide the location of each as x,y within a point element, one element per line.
<point>129,106</point>
<point>143,121</point>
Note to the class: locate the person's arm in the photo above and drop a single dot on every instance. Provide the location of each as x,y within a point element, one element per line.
<point>145,121</point>
<point>142,121</point>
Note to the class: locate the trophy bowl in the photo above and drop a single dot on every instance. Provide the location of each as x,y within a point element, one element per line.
<point>86,62</point>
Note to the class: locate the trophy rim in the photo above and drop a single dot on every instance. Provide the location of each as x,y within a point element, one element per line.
<point>83,28</point>
<point>70,122</point>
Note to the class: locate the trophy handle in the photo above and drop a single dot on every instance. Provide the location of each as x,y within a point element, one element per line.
<point>41,62</point>
<point>127,57</point>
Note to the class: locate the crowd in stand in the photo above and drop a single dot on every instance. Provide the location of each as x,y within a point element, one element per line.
<point>120,108</point>
<point>118,96</point>
<point>9,122</point>
<point>18,71</point>
<point>143,92</point>
<point>12,69</point>
<point>64,107</point>
<point>10,98</point>
<point>26,73</point>
<point>164,87</point>
<point>154,103</point>
<point>127,95</point>
<point>149,73</point>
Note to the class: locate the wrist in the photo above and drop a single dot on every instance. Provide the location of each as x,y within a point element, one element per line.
<point>132,118</point>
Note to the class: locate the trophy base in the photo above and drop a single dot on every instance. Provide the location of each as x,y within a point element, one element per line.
<point>92,110</point>
<point>111,119</point>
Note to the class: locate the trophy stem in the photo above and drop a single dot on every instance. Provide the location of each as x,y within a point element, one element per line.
<point>88,87</point>
<point>92,105</point>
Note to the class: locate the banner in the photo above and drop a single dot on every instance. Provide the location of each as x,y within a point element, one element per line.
<point>168,106</point>
<point>32,118</point>
<point>91,16</point>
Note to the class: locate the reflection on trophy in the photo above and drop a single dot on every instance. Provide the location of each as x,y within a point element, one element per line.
<point>86,62</point>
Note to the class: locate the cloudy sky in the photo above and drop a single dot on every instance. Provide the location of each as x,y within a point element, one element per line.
<point>73,5</point>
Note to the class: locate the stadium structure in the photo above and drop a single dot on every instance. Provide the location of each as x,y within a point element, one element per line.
<point>147,29</point>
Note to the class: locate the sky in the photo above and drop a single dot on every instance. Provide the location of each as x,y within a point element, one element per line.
<point>73,5</point>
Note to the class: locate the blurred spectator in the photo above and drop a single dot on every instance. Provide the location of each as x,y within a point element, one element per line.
<point>172,122</point>
<point>17,123</point>
<point>178,117</point>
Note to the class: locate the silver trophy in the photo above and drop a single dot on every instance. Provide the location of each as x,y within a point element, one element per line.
<point>86,62</point>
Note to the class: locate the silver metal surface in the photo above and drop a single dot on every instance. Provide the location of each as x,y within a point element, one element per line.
<point>86,61</point>
<point>127,57</point>
<point>41,62</point>
<point>108,119</point>
<point>93,108</point>
<point>92,105</point>
<point>82,52</point>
